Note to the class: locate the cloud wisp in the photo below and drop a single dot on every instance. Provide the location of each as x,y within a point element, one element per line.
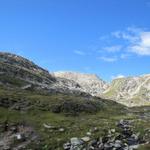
<point>120,45</point>
<point>138,40</point>
<point>119,76</point>
<point>112,49</point>
<point>78,52</point>
<point>108,59</point>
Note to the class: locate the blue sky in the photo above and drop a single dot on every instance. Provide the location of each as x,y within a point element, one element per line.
<point>110,38</point>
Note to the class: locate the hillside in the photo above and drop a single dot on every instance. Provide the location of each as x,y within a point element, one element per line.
<point>130,91</point>
<point>18,72</point>
<point>48,120</point>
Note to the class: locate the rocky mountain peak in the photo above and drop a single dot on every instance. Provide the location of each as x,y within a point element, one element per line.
<point>90,83</point>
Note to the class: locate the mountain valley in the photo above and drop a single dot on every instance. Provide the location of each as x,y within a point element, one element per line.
<point>55,111</point>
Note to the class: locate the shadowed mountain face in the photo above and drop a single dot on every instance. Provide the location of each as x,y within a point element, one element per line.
<point>15,66</point>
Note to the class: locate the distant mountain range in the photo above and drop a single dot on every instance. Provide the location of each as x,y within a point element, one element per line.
<point>18,72</point>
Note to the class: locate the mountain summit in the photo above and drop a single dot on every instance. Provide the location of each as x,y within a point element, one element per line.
<point>90,83</point>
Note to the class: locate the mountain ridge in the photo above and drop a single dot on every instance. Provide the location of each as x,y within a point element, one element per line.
<point>130,91</point>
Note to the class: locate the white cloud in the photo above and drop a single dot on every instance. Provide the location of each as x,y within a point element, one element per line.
<point>131,34</point>
<point>114,48</point>
<point>79,52</point>
<point>117,76</point>
<point>138,40</point>
<point>142,46</point>
<point>108,59</point>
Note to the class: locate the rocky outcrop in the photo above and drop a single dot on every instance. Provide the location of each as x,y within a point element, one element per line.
<point>16,67</point>
<point>89,83</point>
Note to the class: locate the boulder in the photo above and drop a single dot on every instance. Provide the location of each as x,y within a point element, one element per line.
<point>76,141</point>
<point>61,129</point>
<point>89,133</point>
<point>67,146</point>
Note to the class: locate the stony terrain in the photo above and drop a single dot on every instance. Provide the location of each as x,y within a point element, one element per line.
<point>17,136</point>
<point>122,138</point>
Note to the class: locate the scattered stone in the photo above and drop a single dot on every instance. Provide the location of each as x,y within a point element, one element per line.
<point>125,139</point>
<point>135,136</point>
<point>18,136</point>
<point>76,141</point>
<point>95,129</point>
<point>118,144</point>
<point>67,146</point>
<point>49,126</point>
<point>7,148</point>
<point>113,130</point>
<point>61,129</point>
<point>13,129</point>
<point>89,133</point>
<point>85,139</point>
<point>133,147</point>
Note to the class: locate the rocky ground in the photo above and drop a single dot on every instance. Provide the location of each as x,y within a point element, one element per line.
<point>16,136</point>
<point>44,130</point>
<point>121,139</point>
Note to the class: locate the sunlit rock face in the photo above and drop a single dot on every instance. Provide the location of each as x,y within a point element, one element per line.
<point>89,83</point>
<point>131,91</point>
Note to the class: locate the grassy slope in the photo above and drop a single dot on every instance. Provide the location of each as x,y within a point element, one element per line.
<point>74,125</point>
<point>115,86</point>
